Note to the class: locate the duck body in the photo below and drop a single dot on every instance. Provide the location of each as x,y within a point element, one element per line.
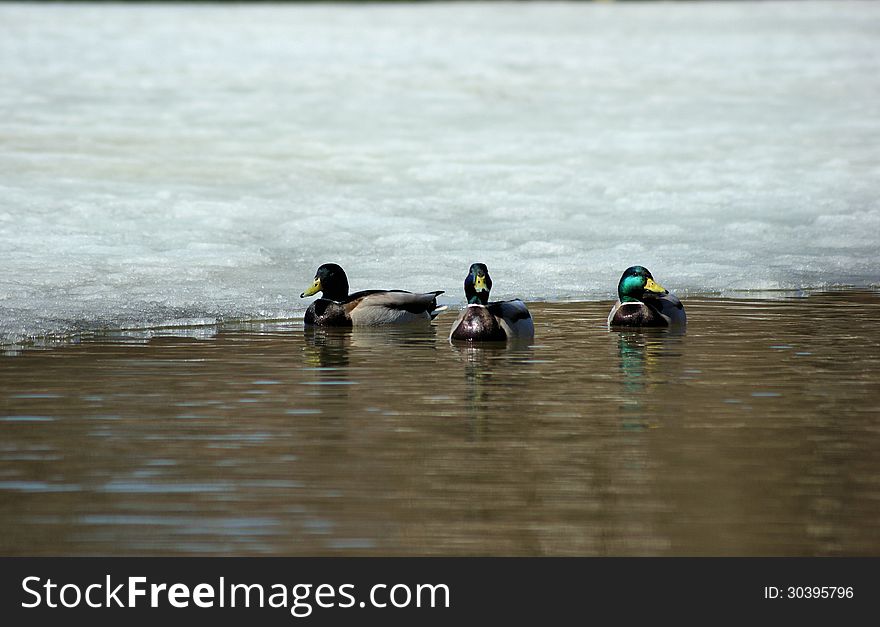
<point>327,313</point>
<point>498,321</point>
<point>476,323</point>
<point>338,308</point>
<point>644,303</point>
<point>666,311</point>
<point>482,321</point>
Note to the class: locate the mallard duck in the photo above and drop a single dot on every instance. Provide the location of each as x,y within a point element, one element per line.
<point>337,307</point>
<point>482,321</point>
<point>644,303</point>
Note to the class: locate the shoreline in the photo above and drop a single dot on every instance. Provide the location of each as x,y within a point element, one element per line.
<point>195,327</point>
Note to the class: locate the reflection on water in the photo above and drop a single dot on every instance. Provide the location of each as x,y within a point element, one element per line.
<point>326,349</point>
<point>643,354</point>
<point>755,433</point>
<point>487,373</point>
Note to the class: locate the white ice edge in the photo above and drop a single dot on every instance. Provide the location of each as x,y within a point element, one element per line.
<point>727,147</point>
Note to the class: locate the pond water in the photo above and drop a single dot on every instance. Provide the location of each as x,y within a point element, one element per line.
<point>754,433</point>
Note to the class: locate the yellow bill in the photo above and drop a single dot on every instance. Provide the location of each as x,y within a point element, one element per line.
<point>480,284</point>
<point>655,288</point>
<point>313,289</point>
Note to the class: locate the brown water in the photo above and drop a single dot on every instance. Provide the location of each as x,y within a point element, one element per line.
<point>756,433</point>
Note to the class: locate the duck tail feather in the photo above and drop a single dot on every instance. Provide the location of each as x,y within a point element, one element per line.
<point>437,311</point>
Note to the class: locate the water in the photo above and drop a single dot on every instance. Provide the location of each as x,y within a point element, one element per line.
<point>755,433</point>
<point>188,164</point>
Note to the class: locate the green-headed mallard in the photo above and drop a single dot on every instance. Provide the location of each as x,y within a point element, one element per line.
<point>482,321</point>
<point>644,303</point>
<point>337,307</point>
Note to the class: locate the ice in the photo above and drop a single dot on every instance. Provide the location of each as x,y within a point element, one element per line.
<point>164,165</point>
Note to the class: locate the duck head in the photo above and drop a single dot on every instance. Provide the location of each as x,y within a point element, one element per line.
<point>331,280</point>
<point>477,284</point>
<point>636,284</point>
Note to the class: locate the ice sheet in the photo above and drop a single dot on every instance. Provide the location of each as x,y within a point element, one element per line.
<point>179,164</point>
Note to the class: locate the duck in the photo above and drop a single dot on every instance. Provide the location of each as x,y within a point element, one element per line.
<point>338,308</point>
<point>642,302</point>
<point>482,321</point>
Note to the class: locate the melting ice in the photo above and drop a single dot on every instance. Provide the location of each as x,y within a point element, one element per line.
<point>173,164</point>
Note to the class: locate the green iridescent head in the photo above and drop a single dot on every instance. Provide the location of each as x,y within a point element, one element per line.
<point>636,284</point>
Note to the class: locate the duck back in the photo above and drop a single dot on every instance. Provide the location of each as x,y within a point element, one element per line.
<point>377,307</point>
<point>672,310</point>
<point>514,318</point>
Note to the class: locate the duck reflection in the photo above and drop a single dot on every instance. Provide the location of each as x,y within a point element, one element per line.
<point>644,356</point>
<point>404,336</point>
<point>481,363</point>
<point>326,347</point>
<point>326,356</point>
